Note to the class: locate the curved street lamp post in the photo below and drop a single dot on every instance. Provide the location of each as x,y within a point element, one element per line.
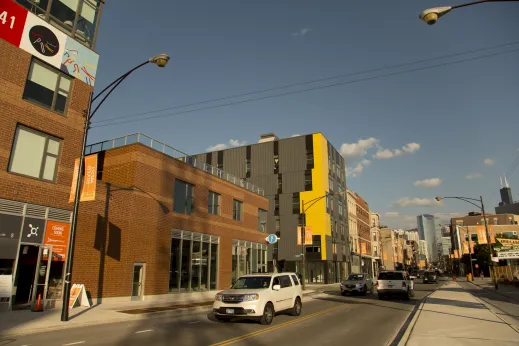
<point>431,15</point>
<point>160,60</point>
<point>481,206</point>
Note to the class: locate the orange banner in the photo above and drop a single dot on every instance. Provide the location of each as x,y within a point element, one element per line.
<point>465,248</point>
<point>482,235</point>
<point>308,235</point>
<point>363,248</point>
<point>88,192</point>
<point>57,235</point>
<point>74,182</point>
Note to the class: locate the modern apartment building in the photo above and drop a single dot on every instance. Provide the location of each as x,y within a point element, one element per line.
<point>162,223</point>
<point>298,175</point>
<point>47,72</point>
<point>428,229</point>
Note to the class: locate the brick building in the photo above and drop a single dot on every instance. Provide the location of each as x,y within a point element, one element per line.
<point>165,222</point>
<point>47,72</point>
<point>364,232</point>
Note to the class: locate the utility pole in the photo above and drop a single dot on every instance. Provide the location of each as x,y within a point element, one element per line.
<point>494,274</point>
<point>303,252</point>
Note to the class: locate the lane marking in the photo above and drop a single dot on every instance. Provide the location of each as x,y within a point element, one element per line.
<point>279,326</point>
<point>75,343</point>
<point>144,331</point>
<point>193,322</point>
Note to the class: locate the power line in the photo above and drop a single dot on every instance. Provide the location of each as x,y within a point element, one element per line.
<point>513,167</point>
<point>308,82</point>
<point>306,90</point>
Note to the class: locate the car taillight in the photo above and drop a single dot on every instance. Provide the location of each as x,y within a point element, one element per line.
<point>376,284</point>
<point>404,284</point>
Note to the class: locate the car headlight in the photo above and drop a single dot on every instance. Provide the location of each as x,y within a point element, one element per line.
<point>358,285</point>
<point>250,297</point>
<point>218,297</point>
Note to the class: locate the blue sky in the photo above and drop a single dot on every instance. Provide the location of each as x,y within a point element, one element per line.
<point>434,123</point>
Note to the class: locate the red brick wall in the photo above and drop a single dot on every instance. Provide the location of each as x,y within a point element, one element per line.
<point>364,223</point>
<point>13,110</point>
<point>145,218</point>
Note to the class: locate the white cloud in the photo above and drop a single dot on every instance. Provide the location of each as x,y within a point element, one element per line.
<point>366,162</point>
<point>489,161</point>
<point>384,154</point>
<point>433,182</point>
<point>302,32</point>
<point>392,213</point>
<point>222,146</point>
<point>417,202</point>
<point>472,176</point>
<point>395,220</point>
<point>353,151</point>
<point>353,172</point>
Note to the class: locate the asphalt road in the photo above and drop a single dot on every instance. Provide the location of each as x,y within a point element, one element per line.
<point>327,319</point>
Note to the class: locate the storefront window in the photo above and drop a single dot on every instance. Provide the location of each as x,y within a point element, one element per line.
<point>248,257</point>
<point>194,264</point>
<point>254,260</point>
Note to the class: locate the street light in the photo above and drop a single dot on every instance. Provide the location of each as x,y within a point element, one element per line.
<point>303,231</point>
<point>160,60</point>
<point>431,15</point>
<point>481,206</point>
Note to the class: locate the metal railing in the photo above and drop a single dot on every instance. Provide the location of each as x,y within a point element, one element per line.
<point>174,153</point>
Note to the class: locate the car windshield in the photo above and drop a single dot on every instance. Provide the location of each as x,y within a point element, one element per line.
<point>390,276</point>
<point>430,274</point>
<point>252,282</point>
<point>355,277</point>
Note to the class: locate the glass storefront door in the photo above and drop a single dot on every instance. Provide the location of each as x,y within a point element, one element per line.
<point>247,258</point>
<point>41,278</point>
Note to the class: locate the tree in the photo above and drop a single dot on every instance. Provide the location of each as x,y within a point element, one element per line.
<point>482,255</point>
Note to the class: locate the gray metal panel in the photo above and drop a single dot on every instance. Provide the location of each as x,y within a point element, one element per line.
<point>267,182</point>
<point>293,181</point>
<point>285,204</point>
<point>200,157</point>
<point>262,159</point>
<point>234,161</point>
<point>288,247</point>
<point>292,155</point>
<point>271,211</point>
<point>329,254</point>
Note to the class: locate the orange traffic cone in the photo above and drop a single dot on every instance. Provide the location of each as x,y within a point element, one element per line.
<point>38,307</point>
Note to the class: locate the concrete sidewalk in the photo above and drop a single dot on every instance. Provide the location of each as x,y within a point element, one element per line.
<point>452,316</point>
<point>508,291</point>
<point>23,322</point>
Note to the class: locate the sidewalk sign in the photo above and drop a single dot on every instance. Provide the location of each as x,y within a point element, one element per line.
<point>78,295</point>
<point>6,292</point>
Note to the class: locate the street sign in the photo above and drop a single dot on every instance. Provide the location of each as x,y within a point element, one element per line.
<point>272,239</point>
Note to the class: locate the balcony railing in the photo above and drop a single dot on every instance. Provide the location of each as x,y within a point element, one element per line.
<point>173,153</point>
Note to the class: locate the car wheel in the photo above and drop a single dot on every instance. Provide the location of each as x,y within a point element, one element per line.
<point>268,314</point>
<point>380,297</point>
<point>297,308</point>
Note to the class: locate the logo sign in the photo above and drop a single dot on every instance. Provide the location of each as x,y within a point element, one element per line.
<point>33,230</point>
<point>272,239</point>
<point>44,40</point>
<point>12,22</point>
<point>57,235</point>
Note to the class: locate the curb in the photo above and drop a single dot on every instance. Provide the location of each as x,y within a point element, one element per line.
<point>494,291</point>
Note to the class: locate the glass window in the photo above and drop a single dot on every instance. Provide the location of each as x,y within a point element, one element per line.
<point>213,206</point>
<point>295,203</point>
<point>242,264</point>
<point>252,283</point>
<point>196,258</point>
<point>285,281</point>
<point>237,209</point>
<point>35,154</point>
<point>262,220</point>
<point>47,87</point>
<point>247,166</point>
<point>86,23</point>
<point>340,206</point>
<point>234,263</point>
<point>330,183</point>
<point>183,197</point>
<point>213,276</point>
<point>174,267</point>
<point>308,180</point>
<point>254,260</point>
<point>295,279</point>
<point>37,7</point>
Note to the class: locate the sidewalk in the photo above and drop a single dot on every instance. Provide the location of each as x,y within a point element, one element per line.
<point>452,316</point>
<point>508,291</point>
<point>28,322</point>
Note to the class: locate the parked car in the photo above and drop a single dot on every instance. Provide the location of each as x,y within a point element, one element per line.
<point>420,274</point>
<point>394,283</point>
<point>357,283</point>
<point>431,277</point>
<point>259,297</point>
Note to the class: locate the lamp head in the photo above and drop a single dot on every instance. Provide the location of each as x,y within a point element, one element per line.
<point>431,15</point>
<point>439,198</point>
<point>160,60</point>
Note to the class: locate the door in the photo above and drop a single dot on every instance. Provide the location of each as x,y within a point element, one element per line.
<point>138,281</point>
<point>41,279</point>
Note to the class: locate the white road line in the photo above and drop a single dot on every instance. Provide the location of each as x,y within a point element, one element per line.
<point>144,331</point>
<point>75,343</point>
<point>193,322</point>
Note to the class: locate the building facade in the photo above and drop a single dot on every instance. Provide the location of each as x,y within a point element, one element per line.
<point>162,223</point>
<point>375,243</point>
<point>47,74</point>
<point>364,231</point>
<point>388,239</point>
<point>353,232</point>
<point>428,229</point>
<point>299,174</point>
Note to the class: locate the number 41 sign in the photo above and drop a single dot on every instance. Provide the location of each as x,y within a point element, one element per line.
<point>12,22</point>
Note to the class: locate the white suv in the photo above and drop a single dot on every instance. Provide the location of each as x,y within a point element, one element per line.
<point>394,283</point>
<point>260,296</point>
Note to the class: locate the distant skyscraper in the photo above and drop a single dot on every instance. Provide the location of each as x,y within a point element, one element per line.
<point>428,230</point>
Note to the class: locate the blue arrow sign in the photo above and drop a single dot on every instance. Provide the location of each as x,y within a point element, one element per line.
<point>272,238</point>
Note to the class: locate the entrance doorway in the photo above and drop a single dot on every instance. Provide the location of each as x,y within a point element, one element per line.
<point>31,274</point>
<point>138,281</point>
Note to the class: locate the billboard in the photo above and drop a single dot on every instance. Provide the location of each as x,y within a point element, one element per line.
<point>31,33</point>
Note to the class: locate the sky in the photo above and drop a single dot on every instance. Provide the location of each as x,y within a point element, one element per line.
<point>408,133</point>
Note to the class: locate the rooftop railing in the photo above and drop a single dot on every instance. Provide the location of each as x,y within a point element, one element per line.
<point>174,153</point>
